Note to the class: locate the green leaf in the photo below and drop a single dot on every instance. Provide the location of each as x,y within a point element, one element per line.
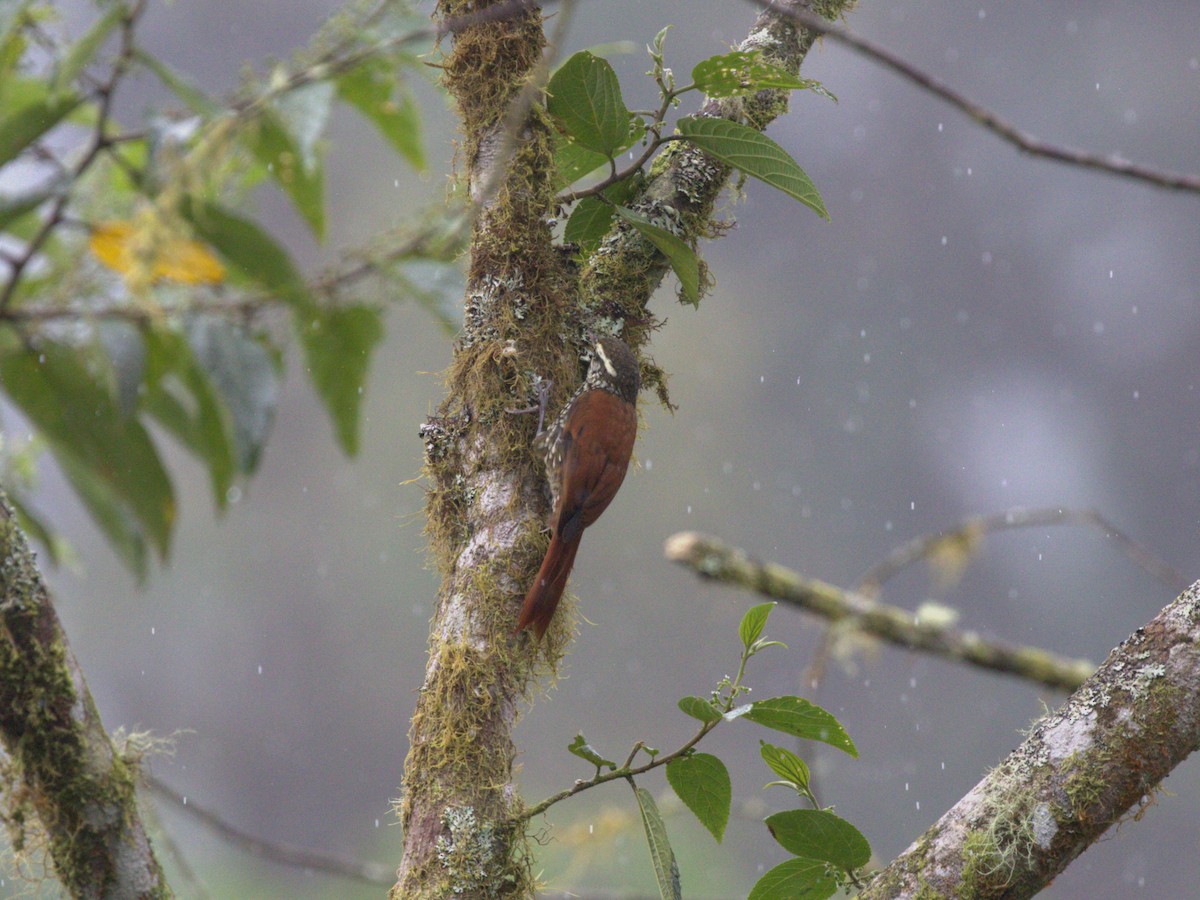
<point>589,223</point>
<point>183,88</point>
<point>799,718</point>
<point>581,748</point>
<point>249,250</point>
<point>80,55</point>
<point>591,218</point>
<point>12,37</point>
<point>109,512</point>
<point>819,834</point>
<point>699,708</point>
<point>755,154</point>
<point>753,623</point>
<point>305,113</point>
<point>744,72</point>
<point>573,161</point>
<point>72,408</point>
<point>374,90</point>
<point>181,397</point>
<point>702,783</point>
<point>293,165</point>
<point>35,527</point>
<point>337,346</point>
<point>123,345</point>
<point>14,206</point>
<point>22,123</point>
<point>585,96</point>
<point>12,14</point>
<point>682,258</point>
<point>796,879</point>
<point>666,870</point>
<point>244,375</point>
<point>784,763</point>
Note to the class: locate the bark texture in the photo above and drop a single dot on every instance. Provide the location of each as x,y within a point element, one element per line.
<point>527,310</point>
<point>63,778</point>
<point>1082,769</point>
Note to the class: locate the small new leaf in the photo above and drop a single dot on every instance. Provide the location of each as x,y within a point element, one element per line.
<point>753,622</point>
<point>699,708</point>
<point>702,783</point>
<point>581,748</point>
<point>786,764</point>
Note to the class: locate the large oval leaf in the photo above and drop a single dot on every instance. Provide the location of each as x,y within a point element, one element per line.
<point>799,718</point>
<point>755,154</point>
<point>819,834</point>
<point>702,783</point>
<point>796,879</point>
<point>585,96</point>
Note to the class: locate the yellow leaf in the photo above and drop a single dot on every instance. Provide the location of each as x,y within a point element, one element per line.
<point>122,247</point>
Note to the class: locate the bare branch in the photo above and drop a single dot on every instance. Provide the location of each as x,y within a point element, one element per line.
<point>712,558</point>
<point>1002,128</point>
<point>972,529</point>
<point>285,854</point>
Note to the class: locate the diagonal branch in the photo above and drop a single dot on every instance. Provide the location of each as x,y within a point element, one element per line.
<point>993,122</point>
<point>712,558</point>
<point>64,769</point>
<point>1081,770</point>
<point>970,531</point>
<point>285,854</point>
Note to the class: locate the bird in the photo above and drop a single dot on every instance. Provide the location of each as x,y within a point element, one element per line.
<point>586,451</point>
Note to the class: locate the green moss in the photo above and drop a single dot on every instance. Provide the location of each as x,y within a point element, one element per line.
<point>52,775</point>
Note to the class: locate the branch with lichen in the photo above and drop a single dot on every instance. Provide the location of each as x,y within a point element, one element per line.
<point>681,192</point>
<point>63,770</point>
<point>1081,770</point>
<point>485,504</point>
<point>713,559</point>
<point>527,306</point>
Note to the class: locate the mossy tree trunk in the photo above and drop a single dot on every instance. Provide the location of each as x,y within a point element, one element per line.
<point>528,308</point>
<point>63,777</point>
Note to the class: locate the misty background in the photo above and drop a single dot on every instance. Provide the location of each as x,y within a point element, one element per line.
<point>974,330</point>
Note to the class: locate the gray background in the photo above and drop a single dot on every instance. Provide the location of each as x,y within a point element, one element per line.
<point>974,330</point>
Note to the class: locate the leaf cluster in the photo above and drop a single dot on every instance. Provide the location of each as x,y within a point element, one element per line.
<point>827,851</point>
<point>595,127</point>
<point>138,297</point>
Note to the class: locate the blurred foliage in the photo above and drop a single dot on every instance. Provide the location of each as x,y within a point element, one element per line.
<point>139,300</point>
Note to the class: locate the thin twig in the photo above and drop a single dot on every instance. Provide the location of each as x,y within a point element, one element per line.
<point>624,771</point>
<point>712,558</point>
<point>99,142</point>
<point>1002,128</point>
<point>287,854</point>
<point>969,530</point>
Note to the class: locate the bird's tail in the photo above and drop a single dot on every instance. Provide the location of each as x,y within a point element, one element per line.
<point>542,599</point>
